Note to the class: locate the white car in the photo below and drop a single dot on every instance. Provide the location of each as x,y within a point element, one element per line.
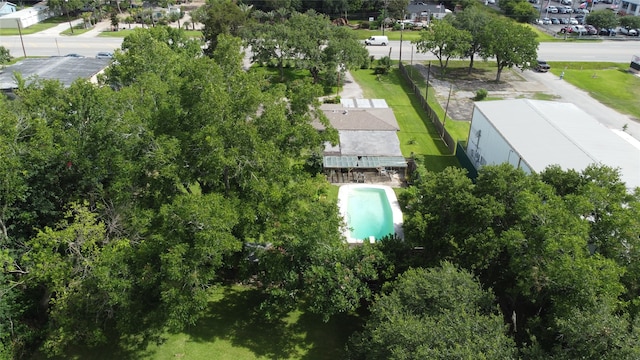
<point>552,9</point>
<point>573,21</point>
<point>566,2</point>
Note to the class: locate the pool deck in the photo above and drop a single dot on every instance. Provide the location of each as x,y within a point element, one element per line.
<point>367,177</point>
<point>343,194</point>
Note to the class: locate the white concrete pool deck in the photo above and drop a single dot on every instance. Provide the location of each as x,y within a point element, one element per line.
<point>343,196</point>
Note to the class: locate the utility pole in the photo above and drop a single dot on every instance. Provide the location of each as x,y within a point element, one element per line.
<point>21,41</point>
<point>446,108</point>
<point>401,32</point>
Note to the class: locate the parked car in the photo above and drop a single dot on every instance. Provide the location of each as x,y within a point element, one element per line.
<point>566,2</point>
<point>564,21</point>
<point>573,21</point>
<point>552,9</point>
<point>634,32</point>
<point>104,55</point>
<point>579,29</point>
<point>542,66</point>
<point>567,30</point>
<point>555,21</point>
<point>74,55</point>
<point>562,10</point>
<point>546,21</point>
<point>591,30</point>
<point>569,9</point>
<point>607,32</point>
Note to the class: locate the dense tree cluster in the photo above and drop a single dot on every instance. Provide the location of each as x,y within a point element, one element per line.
<point>558,249</point>
<point>122,205</point>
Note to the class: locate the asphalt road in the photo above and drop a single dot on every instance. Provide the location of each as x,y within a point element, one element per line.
<point>607,50</point>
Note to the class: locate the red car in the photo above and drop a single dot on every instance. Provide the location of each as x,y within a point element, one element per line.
<point>566,30</point>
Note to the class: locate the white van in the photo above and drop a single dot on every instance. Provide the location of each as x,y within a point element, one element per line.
<point>377,40</point>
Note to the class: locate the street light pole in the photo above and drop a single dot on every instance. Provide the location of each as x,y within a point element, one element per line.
<point>66,7</point>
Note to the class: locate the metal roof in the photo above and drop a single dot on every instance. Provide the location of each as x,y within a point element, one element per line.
<point>545,133</point>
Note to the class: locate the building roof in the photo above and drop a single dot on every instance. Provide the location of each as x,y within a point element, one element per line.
<point>360,114</point>
<point>368,134</point>
<point>62,68</point>
<point>545,133</point>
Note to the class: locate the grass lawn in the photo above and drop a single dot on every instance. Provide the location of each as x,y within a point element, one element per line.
<point>124,33</point>
<point>233,330</point>
<point>417,134</point>
<point>407,35</point>
<point>44,25</point>
<point>609,83</point>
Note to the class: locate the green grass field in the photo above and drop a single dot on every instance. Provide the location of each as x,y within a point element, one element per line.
<point>407,35</point>
<point>417,134</point>
<point>609,83</point>
<point>232,329</point>
<point>44,25</point>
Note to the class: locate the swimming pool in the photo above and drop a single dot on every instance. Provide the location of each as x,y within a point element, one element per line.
<point>369,211</point>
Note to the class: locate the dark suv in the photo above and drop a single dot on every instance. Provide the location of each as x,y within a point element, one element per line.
<point>542,66</point>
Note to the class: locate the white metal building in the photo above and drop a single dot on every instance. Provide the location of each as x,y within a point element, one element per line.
<point>26,17</point>
<point>534,134</point>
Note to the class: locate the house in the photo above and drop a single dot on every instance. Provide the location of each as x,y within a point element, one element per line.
<point>426,11</point>
<point>62,68</point>
<point>7,8</point>
<point>369,142</point>
<point>25,17</point>
<point>534,134</point>
<point>629,7</point>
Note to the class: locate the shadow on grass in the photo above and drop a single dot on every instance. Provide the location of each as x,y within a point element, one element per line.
<point>236,318</point>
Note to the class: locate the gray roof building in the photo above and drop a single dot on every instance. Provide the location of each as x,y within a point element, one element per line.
<point>368,135</point>
<point>61,68</point>
<point>534,134</point>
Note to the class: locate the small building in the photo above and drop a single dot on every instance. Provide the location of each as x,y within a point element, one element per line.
<point>62,68</point>
<point>369,142</point>
<point>25,17</point>
<point>628,7</point>
<point>424,11</point>
<point>534,134</point>
<point>7,8</point>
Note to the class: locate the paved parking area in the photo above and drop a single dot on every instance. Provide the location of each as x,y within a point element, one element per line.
<point>555,28</point>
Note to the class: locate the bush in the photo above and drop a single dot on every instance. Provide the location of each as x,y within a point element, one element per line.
<point>5,56</point>
<point>365,25</point>
<point>481,94</point>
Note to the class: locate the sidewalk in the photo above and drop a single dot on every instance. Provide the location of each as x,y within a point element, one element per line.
<point>56,30</point>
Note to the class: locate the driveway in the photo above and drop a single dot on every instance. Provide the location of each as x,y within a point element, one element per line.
<point>565,92</point>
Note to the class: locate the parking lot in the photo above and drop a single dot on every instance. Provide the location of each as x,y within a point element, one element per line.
<point>565,12</point>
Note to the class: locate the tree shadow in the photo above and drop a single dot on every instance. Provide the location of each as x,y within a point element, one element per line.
<point>236,318</point>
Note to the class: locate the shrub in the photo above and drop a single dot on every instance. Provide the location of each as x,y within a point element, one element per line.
<point>481,94</point>
<point>365,25</point>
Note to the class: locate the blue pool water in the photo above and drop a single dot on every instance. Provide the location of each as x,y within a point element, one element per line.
<point>369,213</point>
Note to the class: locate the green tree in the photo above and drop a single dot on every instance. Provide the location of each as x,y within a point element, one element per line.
<point>519,10</point>
<point>602,19</point>
<point>473,19</point>
<point>444,41</point>
<point>84,276</point>
<point>632,22</point>
<point>440,313</point>
<point>222,17</point>
<point>396,8</point>
<point>511,44</point>
<point>5,55</point>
